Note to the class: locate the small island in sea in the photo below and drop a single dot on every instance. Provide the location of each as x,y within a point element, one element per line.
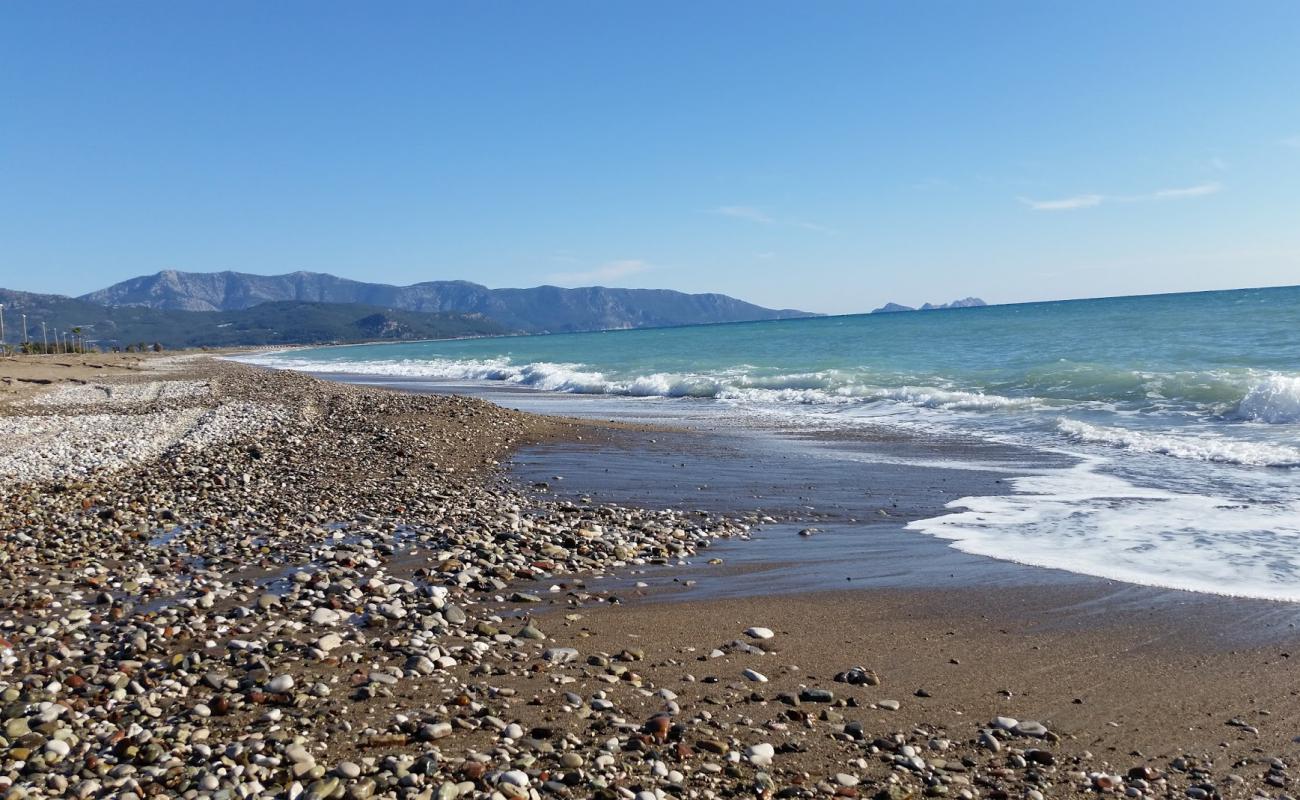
<point>966,302</point>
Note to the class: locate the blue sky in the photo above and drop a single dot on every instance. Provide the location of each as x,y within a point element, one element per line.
<point>827,156</point>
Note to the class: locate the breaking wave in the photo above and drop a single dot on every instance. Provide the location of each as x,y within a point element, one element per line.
<point>806,388</point>
<point>1198,447</point>
<point>1275,400</point>
<point>1271,399</point>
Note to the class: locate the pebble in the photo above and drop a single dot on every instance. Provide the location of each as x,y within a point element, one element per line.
<point>280,684</point>
<point>1029,728</point>
<point>325,616</point>
<point>58,748</point>
<point>348,769</point>
<point>514,777</point>
<point>560,655</point>
<point>760,755</point>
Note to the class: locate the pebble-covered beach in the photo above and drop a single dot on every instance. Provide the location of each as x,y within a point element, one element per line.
<point>220,582</point>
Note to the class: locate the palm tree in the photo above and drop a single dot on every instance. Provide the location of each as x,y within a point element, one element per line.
<point>76,340</point>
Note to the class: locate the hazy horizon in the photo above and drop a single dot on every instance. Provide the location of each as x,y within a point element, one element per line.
<point>830,158</point>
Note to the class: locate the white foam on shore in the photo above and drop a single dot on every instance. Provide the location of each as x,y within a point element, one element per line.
<point>829,387</point>
<point>1203,446</point>
<point>1084,521</point>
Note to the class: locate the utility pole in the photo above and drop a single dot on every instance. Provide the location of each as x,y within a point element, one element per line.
<point>2,326</point>
<point>24,329</point>
<point>45,337</point>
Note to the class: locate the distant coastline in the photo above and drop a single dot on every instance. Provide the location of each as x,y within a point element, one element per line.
<point>965,302</point>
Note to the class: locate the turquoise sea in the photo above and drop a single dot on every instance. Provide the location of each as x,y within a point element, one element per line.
<point>1181,414</point>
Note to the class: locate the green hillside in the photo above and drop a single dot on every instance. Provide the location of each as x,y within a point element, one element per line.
<point>266,324</point>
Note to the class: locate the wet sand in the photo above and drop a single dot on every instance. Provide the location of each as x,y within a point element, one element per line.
<point>1129,681</point>
<point>1120,668</point>
<point>835,526</point>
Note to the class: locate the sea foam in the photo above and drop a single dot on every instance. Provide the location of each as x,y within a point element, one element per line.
<point>830,387</point>
<point>1086,521</point>
<point>1275,400</point>
<point>1201,446</point>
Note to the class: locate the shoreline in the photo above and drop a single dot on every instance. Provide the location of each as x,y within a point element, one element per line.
<point>828,549</point>
<point>316,599</point>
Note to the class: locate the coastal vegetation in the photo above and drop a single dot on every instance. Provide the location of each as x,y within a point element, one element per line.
<point>74,325</point>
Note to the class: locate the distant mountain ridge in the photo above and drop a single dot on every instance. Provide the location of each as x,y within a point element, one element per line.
<point>274,323</point>
<point>965,302</point>
<point>542,309</point>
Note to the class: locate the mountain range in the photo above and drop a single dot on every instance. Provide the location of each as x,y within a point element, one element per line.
<point>220,309</point>
<point>542,309</point>
<point>274,323</point>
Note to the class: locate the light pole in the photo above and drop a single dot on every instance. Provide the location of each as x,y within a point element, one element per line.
<point>2,326</point>
<point>45,337</point>
<point>24,330</point>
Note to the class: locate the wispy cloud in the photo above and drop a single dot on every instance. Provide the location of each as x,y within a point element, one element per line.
<point>609,271</point>
<point>1065,203</point>
<point>745,212</point>
<point>1200,190</point>
<point>758,215</point>
<point>1092,200</point>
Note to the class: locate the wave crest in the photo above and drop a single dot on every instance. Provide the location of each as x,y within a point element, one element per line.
<point>828,387</point>
<point>1275,400</point>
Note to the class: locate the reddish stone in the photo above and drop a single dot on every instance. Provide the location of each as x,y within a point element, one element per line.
<point>473,770</point>
<point>658,727</point>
